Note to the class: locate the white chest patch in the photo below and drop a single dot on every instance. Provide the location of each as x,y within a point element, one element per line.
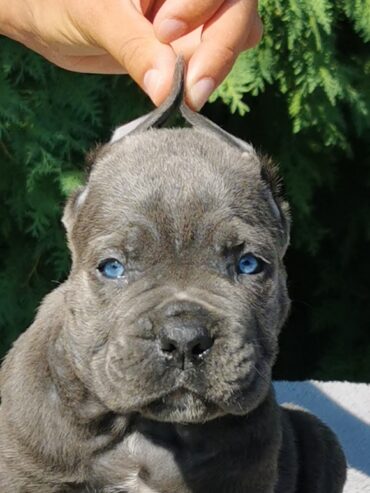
<point>139,466</point>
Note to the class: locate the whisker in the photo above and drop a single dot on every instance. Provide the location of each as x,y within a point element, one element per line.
<point>260,374</point>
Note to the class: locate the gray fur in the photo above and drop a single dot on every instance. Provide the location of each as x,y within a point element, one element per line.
<point>89,401</point>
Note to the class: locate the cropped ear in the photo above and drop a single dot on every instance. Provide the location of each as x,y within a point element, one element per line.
<point>204,125</point>
<point>158,117</point>
<point>72,208</point>
<point>268,171</point>
<point>274,195</point>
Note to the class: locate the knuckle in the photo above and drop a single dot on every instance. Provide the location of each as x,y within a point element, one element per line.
<point>225,53</point>
<point>131,52</point>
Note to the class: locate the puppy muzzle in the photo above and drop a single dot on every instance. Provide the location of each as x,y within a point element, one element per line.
<point>184,334</point>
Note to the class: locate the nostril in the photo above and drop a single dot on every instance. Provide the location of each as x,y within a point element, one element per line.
<point>181,343</point>
<point>201,345</point>
<point>197,350</point>
<point>168,346</point>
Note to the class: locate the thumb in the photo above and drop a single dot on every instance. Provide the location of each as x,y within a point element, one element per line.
<point>129,37</point>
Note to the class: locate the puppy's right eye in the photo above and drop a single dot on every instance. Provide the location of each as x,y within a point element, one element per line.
<point>250,264</point>
<point>111,268</point>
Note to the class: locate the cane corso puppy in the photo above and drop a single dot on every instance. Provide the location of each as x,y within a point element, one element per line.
<point>149,369</point>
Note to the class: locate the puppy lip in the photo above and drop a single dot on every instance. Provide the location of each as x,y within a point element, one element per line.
<point>174,400</point>
<point>137,405</point>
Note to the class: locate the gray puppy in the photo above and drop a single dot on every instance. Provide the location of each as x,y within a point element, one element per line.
<point>149,369</point>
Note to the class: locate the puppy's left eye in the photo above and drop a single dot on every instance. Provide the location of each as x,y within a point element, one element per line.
<point>250,264</point>
<point>111,268</point>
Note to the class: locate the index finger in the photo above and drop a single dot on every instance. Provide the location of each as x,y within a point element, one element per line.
<point>235,27</point>
<point>176,17</point>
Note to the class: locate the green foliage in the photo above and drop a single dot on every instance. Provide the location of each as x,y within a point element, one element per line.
<point>303,96</point>
<point>303,53</point>
<point>48,120</point>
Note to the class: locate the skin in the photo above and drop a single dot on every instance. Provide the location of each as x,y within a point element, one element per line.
<point>90,401</point>
<point>142,39</point>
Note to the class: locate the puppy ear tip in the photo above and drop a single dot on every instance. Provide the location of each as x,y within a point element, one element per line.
<point>161,114</point>
<point>74,203</point>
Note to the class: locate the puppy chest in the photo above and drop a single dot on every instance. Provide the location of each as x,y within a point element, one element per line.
<point>138,465</point>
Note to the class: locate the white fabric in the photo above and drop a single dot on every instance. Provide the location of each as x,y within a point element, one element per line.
<point>345,407</point>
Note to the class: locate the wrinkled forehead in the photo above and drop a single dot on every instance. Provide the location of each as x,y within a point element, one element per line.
<point>167,233</point>
<point>184,200</point>
<point>175,166</point>
<point>174,185</point>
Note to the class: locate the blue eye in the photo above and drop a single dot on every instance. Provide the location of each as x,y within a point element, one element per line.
<point>249,264</point>
<point>111,268</point>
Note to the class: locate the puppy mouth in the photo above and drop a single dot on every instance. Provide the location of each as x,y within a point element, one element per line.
<point>181,406</point>
<point>186,397</point>
<point>186,404</point>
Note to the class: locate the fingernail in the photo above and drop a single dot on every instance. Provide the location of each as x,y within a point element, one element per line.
<point>151,82</point>
<point>200,92</point>
<point>170,29</point>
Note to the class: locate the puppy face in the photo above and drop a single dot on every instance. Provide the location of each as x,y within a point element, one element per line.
<point>177,291</point>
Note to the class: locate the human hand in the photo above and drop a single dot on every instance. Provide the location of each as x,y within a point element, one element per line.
<point>141,38</point>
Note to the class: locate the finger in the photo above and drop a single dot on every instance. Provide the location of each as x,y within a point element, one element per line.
<point>224,37</point>
<point>129,37</point>
<point>256,32</point>
<point>146,7</point>
<point>142,5</point>
<point>176,17</point>
<point>154,7</point>
<point>187,45</point>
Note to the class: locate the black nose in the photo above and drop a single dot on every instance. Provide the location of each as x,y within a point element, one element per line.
<point>181,344</point>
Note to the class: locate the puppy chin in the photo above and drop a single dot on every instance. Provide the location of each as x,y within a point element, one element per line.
<point>181,406</point>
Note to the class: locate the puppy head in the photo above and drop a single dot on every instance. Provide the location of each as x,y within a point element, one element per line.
<point>177,291</point>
